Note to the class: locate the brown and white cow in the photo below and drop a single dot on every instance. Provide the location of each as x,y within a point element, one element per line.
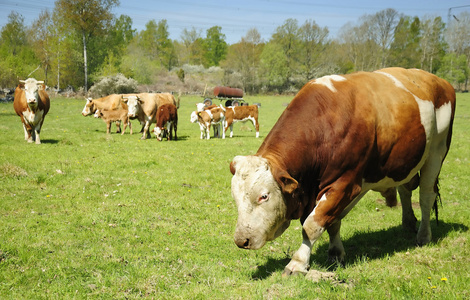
<point>166,120</point>
<point>235,114</point>
<point>110,102</point>
<point>32,104</point>
<point>340,137</point>
<point>207,118</point>
<point>117,115</point>
<point>144,107</point>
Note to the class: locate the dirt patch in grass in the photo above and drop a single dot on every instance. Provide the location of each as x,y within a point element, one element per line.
<point>11,170</point>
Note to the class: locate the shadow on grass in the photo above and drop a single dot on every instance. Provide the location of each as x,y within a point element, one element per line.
<point>49,141</point>
<point>373,245</point>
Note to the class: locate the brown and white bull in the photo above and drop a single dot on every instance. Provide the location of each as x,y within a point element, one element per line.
<point>110,102</point>
<point>167,119</point>
<point>210,117</point>
<point>340,137</point>
<point>117,115</point>
<point>32,104</point>
<point>144,107</point>
<point>235,114</point>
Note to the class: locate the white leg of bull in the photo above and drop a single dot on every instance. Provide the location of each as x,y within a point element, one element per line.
<point>222,127</point>
<point>36,132</point>
<point>300,260</point>
<point>146,130</point>
<point>208,132</point>
<point>231,130</point>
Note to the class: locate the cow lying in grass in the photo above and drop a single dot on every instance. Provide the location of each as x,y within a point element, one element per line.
<point>167,119</point>
<point>117,115</point>
<point>208,117</point>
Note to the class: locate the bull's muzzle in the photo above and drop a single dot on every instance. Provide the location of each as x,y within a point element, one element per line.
<point>243,243</point>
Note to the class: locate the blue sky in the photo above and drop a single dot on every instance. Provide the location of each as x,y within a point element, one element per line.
<point>236,17</point>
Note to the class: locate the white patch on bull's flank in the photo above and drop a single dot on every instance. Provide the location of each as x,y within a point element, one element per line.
<point>443,117</point>
<point>328,81</point>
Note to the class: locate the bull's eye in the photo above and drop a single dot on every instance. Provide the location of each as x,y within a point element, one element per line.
<point>263,198</point>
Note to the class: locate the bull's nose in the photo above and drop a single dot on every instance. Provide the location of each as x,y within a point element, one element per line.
<point>242,243</point>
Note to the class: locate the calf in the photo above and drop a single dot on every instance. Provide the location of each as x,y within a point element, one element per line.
<point>241,113</point>
<point>32,104</point>
<point>167,118</point>
<point>109,116</point>
<point>206,118</point>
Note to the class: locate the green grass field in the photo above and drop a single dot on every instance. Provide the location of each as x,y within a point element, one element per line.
<point>91,215</point>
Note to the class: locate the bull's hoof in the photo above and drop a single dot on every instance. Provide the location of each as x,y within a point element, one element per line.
<point>288,272</point>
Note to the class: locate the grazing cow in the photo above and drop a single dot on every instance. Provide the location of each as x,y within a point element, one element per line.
<point>241,113</point>
<point>144,107</point>
<point>340,137</point>
<point>167,118</point>
<point>117,115</point>
<point>110,102</point>
<point>208,117</point>
<point>32,104</point>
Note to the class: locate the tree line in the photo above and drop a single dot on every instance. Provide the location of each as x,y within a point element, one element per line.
<point>80,41</point>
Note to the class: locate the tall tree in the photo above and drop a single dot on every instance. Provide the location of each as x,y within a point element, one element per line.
<point>193,45</point>
<point>215,46</point>
<point>431,43</point>
<point>313,42</point>
<point>17,57</point>
<point>287,37</point>
<point>41,40</point>
<point>89,18</point>
<point>405,48</point>
<point>243,57</point>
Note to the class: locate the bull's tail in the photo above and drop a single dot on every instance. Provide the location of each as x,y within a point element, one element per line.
<point>437,201</point>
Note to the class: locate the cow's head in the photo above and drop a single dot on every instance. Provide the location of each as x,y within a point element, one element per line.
<point>258,188</point>
<point>193,117</point>
<point>98,114</point>
<point>133,103</point>
<point>31,88</point>
<point>158,133</point>
<point>89,108</point>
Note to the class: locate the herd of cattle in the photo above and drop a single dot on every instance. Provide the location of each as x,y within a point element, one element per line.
<point>31,103</point>
<point>341,136</point>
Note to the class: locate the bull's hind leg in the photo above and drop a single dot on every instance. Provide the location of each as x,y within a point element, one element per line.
<point>336,251</point>
<point>405,191</point>
<point>428,189</point>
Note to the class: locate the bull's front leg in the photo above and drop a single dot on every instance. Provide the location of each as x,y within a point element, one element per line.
<point>27,134</point>
<point>37,131</point>
<point>311,232</point>
<point>327,214</point>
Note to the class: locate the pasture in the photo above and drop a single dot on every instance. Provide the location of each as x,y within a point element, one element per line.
<point>91,215</point>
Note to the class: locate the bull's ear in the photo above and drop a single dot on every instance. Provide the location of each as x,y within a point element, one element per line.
<point>125,99</point>
<point>233,164</point>
<point>285,181</point>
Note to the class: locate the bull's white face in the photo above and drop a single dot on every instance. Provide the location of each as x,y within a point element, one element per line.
<point>31,89</point>
<point>193,117</point>
<point>133,103</point>
<point>261,205</point>
<point>89,108</point>
<point>158,133</point>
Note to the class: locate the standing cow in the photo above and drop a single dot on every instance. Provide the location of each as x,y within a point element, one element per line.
<point>340,137</point>
<point>32,104</point>
<point>110,102</point>
<point>167,119</point>
<point>144,107</point>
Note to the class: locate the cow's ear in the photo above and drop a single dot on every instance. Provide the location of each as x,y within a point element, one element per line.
<point>125,99</point>
<point>140,100</point>
<point>21,84</point>
<point>233,164</point>
<point>285,181</point>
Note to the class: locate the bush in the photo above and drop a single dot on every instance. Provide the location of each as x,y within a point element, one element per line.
<point>116,84</point>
